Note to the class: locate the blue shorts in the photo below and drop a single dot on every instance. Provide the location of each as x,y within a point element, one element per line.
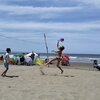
<point>6,65</point>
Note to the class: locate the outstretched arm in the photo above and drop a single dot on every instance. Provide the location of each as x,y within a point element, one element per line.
<point>58,44</point>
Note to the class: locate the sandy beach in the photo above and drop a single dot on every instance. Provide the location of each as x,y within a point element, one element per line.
<point>78,82</point>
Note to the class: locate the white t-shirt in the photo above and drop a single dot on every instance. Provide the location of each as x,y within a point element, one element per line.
<point>6,58</point>
<point>27,59</point>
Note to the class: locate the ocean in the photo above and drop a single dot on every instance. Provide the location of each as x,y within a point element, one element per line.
<point>81,58</point>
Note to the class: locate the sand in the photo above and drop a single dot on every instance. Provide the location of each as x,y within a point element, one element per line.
<point>78,82</point>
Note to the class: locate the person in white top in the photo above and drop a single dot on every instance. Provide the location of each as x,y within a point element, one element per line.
<point>6,61</point>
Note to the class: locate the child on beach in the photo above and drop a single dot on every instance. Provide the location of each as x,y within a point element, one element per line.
<point>58,58</point>
<point>6,61</point>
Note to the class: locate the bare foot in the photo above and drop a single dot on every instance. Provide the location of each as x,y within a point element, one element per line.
<point>62,72</point>
<point>3,75</point>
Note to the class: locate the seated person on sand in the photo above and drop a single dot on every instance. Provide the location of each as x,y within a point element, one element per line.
<point>96,65</point>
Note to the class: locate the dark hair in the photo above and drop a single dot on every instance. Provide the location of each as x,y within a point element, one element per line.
<point>8,49</point>
<point>62,48</point>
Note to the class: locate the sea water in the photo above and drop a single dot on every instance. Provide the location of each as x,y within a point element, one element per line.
<point>84,58</point>
<point>81,58</point>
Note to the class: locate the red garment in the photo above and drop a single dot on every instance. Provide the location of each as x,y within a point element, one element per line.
<point>65,56</point>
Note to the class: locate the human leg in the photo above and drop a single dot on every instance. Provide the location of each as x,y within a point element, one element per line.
<point>7,67</point>
<point>51,61</point>
<point>58,62</point>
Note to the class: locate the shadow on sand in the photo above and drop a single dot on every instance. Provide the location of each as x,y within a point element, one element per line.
<point>59,75</point>
<point>12,76</point>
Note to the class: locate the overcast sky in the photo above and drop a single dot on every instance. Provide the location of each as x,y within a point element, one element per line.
<point>24,22</point>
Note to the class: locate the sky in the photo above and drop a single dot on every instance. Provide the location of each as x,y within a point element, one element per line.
<point>24,22</point>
